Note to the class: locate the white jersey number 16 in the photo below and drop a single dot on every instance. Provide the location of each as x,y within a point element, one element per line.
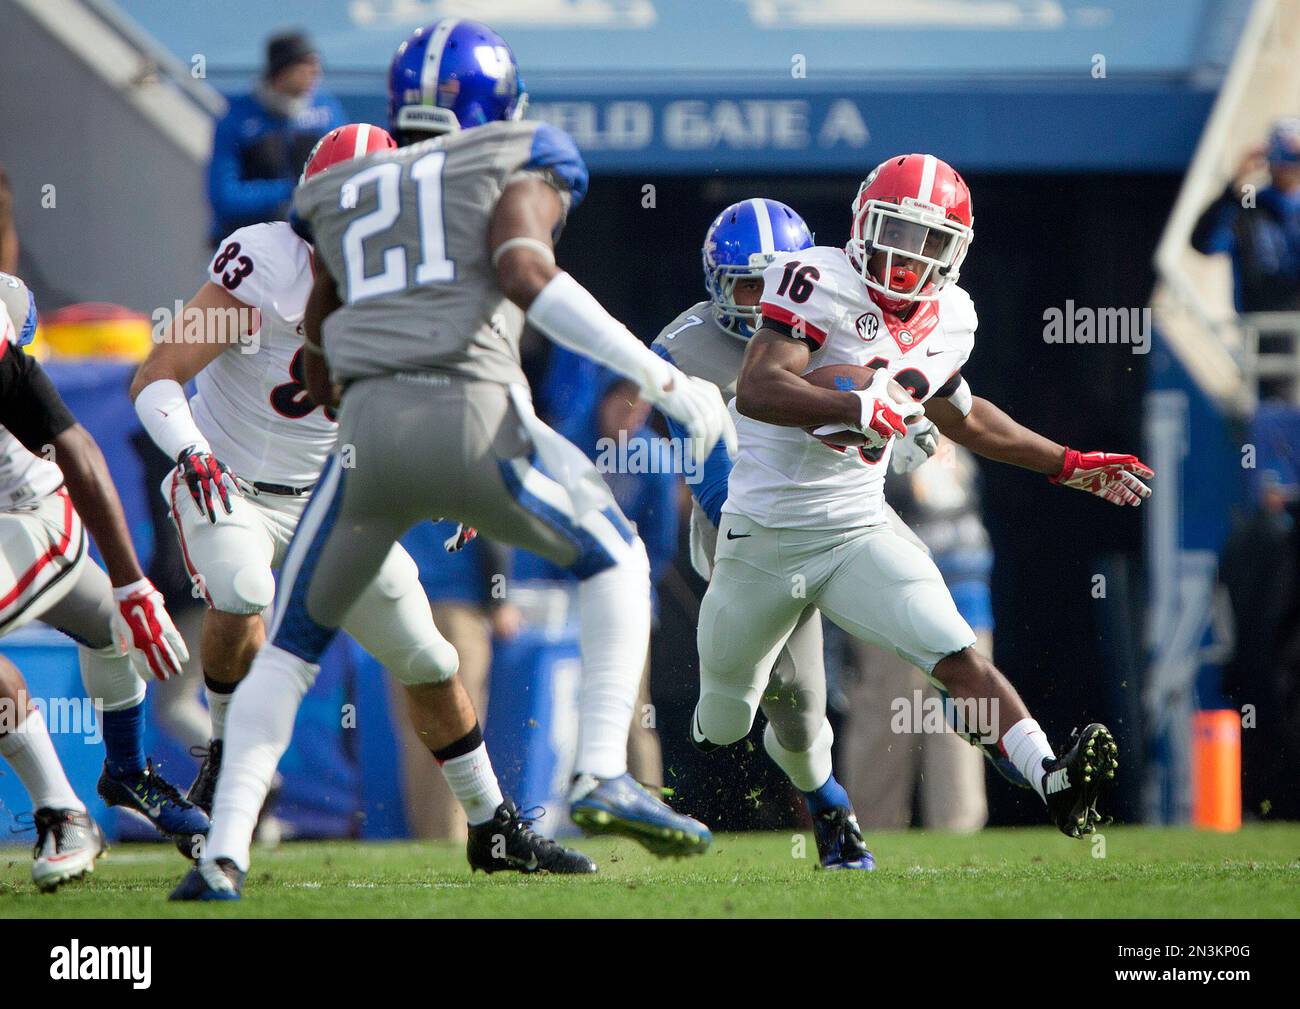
<point>434,266</point>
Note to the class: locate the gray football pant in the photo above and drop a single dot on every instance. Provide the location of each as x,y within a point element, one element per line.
<point>418,447</point>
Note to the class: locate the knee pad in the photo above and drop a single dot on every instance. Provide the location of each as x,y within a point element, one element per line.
<point>393,622</point>
<point>723,719</point>
<point>433,660</point>
<point>807,768</point>
<point>822,737</point>
<point>109,680</point>
<point>797,723</point>
<point>247,590</point>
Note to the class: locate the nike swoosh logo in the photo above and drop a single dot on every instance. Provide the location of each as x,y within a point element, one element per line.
<point>933,353</point>
<point>738,536</point>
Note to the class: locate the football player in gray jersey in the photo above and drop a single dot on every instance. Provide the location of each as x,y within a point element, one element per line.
<point>430,259</point>
<point>708,341</point>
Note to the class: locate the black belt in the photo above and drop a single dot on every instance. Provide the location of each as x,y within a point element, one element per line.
<point>282,489</point>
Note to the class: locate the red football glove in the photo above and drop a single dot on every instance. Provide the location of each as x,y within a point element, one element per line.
<point>144,632</point>
<point>1110,475</point>
<point>886,409</point>
<point>207,477</point>
<point>885,423</point>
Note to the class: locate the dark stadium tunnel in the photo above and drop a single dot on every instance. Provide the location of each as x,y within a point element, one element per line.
<point>1040,240</point>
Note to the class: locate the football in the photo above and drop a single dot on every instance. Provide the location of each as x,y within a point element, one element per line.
<point>845,377</point>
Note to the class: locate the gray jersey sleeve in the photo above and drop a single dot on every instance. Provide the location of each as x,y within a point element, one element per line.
<point>404,235</point>
<point>701,347</point>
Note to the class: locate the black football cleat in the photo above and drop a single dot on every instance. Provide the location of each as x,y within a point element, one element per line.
<point>1073,782</point>
<point>204,786</point>
<point>67,843</point>
<point>839,841</point>
<point>211,880</point>
<point>508,843</point>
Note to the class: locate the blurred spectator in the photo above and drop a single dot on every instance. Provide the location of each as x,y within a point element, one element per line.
<point>1262,235</point>
<point>884,769</point>
<point>638,467</point>
<point>466,592</point>
<point>1258,567</point>
<point>262,143</point>
<point>8,229</point>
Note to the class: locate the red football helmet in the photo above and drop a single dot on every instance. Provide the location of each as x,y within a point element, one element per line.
<point>355,140</point>
<point>916,210</point>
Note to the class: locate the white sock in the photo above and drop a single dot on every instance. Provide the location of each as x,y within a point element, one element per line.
<point>218,705</point>
<point>260,727</point>
<point>474,783</point>
<point>808,770</point>
<point>1026,746</point>
<point>30,753</point>
<point>615,638</point>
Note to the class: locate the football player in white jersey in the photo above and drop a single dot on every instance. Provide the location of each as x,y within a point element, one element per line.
<point>52,474</point>
<point>804,519</point>
<point>708,341</point>
<point>249,447</point>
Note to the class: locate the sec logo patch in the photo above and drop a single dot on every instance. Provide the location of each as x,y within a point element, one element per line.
<point>867,325</point>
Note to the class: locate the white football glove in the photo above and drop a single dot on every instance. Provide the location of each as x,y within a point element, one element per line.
<point>698,406</point>
<point>143,631</point>
<point>915,447</point>
<point>886,408</point>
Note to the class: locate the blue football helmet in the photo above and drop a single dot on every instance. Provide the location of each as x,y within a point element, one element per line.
<point>453,75</point>
<point>740,243</point>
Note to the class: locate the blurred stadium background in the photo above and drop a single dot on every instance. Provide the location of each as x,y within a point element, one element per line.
<point>1092,133</point>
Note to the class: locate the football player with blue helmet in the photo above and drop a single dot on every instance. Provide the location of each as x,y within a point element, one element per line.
<point>431,259</point>
<point>708,341</point>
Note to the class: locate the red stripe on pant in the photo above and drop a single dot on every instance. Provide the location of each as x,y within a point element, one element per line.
<point>185,550</point>
<point>59,550</point>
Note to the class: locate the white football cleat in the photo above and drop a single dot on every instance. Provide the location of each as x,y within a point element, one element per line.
<point>67,843</point>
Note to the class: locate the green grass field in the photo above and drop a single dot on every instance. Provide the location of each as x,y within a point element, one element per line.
<point>1038,873</point>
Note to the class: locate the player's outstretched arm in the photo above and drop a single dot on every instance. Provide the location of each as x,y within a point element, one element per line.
<point>212,321</point>
<point>520,240</point>
<point>986,430</point>
<point>141,626</point>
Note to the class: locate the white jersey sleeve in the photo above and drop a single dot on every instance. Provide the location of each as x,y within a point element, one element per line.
<point>801,297</point>
<point>250,402</point>
<point>251,264</point>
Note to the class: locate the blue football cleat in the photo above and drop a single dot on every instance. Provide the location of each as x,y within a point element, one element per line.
<point>218,879</point>
<point>839,840</point>
<point>622,806</point>
<point>157,800</point>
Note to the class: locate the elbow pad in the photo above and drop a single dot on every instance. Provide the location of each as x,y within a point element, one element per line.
<point>165,413</point>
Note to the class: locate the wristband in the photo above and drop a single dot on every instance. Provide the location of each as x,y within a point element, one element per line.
<point>121,592</point>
